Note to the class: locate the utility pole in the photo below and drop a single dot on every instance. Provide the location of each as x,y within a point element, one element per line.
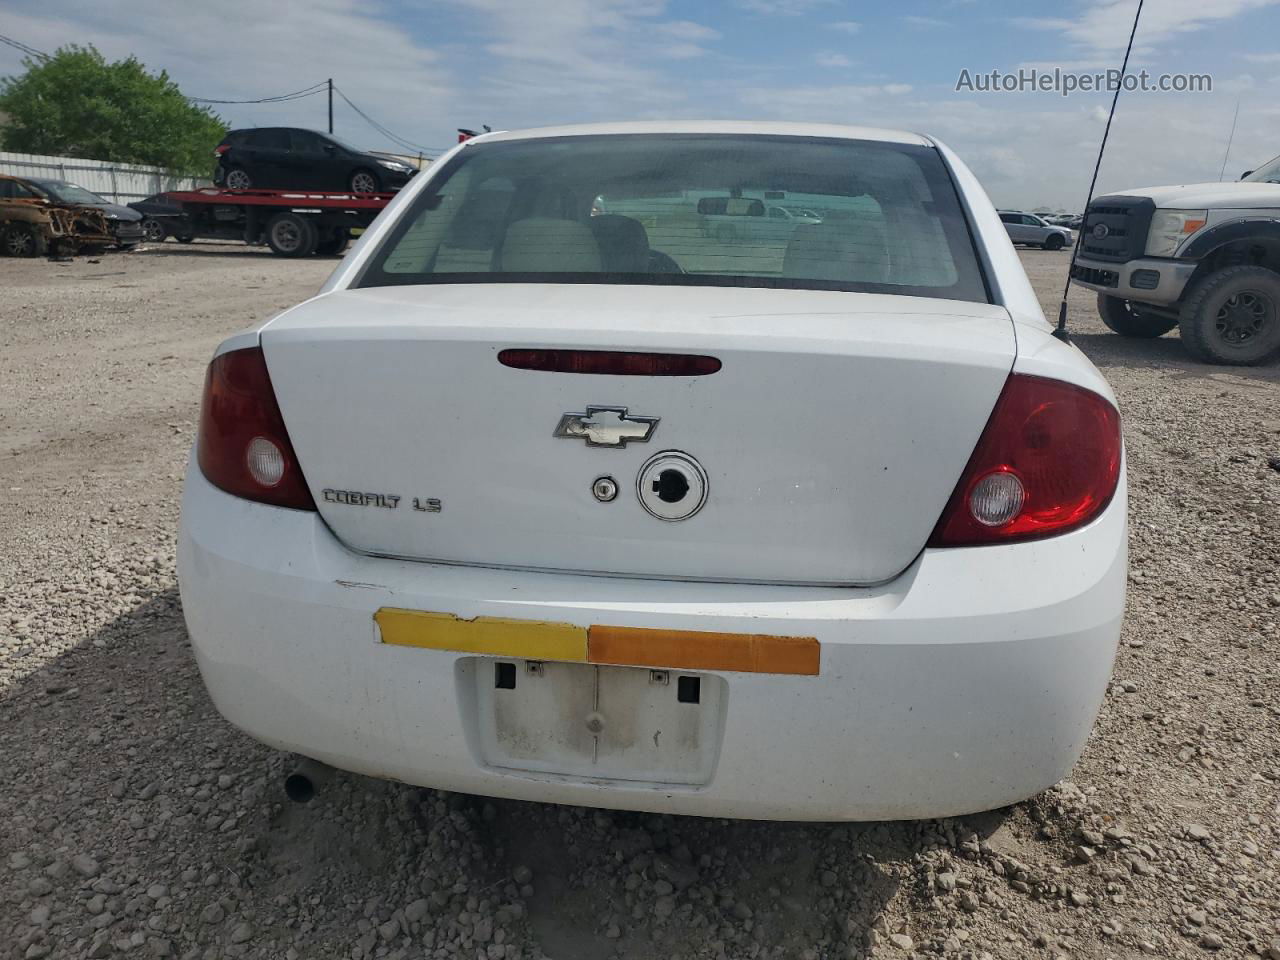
<point>331,105</point>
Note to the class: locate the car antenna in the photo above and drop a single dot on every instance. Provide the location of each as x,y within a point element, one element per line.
<point>1061,330</point>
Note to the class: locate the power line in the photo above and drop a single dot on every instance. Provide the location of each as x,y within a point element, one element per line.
<point>279,98</point>
<point>29,51</point>
<point>408,144</point>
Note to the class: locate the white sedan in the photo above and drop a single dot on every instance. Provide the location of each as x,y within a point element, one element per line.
<point>543,502</point>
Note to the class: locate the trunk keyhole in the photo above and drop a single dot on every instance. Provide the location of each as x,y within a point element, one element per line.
<point>671,486</point>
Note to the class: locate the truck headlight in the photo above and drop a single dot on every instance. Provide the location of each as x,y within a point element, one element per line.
<point>1170,227</point>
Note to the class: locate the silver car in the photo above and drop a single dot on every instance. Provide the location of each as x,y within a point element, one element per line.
<point>1030,229</point>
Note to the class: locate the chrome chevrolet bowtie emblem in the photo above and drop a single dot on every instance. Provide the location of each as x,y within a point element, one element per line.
<point>606,427</point>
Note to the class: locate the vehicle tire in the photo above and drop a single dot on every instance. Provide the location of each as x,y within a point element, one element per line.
<point>365,180</point>
<point>1129,320</point>
<point>292,235</point>
<point>23,240</point>
<point>1232,317</point>
<point>335,243</point>
<point>237,178</point>
<point>153,230</point>
<point>1054,242</point>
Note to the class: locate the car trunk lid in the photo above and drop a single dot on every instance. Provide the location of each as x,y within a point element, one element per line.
<point>828,441</point>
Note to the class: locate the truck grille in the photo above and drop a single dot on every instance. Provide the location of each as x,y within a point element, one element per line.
<point>1122,223</point>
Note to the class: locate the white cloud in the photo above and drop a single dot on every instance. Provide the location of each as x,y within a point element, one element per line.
<point>846,26</point>
<point>1261,57</point>
<point>828,59</point>
<point>782,8</point>
<point>926,22</point>
<point>576,59</point>
<point>1105,24</point>
<point>818,103</point>
<point>687,30</point>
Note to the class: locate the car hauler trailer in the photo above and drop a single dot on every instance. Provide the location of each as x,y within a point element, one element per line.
<point>293,223</point>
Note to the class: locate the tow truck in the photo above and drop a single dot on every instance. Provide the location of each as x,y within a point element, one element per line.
<point>293,223</point>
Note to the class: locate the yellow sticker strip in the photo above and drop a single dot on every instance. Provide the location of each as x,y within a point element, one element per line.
<point>498,636</point>
<point>621,646</point>
<point>703,650</point>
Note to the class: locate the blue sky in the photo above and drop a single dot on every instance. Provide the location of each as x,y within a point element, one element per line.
<point>423,68</point>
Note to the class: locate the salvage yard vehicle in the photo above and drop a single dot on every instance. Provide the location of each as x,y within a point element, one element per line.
<point>163,218</point>
<point>31,226</point>
<point>1202,257</point>
<point>289,158</point>
<point>513,508</point>
<point>124,223</point>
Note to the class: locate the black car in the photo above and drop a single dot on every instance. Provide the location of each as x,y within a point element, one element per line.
<point>125,224</point>
<point>162,217</point>
<point>287,158</point>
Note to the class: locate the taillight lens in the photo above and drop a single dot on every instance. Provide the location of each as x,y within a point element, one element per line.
<point>243,447</point>
<point>1047,462</point>
<point>220,149</point>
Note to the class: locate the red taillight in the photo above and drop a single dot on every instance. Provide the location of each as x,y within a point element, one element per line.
<point>1047,462</point>
<point>243,447</point>
<point>621,363</point>
<point>220,149</point>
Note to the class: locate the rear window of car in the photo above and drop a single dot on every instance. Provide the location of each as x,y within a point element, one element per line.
<point>688,209</point>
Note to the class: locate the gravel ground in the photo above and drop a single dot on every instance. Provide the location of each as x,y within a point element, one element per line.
<point>133,820</point>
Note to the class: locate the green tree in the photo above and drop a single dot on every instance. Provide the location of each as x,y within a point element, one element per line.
<point>76,104</point>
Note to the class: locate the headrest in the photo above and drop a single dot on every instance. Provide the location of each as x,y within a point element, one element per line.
<point>624,244</point>
<point>546,245</point>
<point>839,251</point>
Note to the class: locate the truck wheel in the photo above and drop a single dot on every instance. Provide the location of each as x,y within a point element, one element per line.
<point>1054,242</point>
<point>364,181</point>
<point>291,235</point>
<point>335,243</point>
<point>1232,316</point>
<point>238,178</point>
<point>23,240</point>
<point>1129,319</point>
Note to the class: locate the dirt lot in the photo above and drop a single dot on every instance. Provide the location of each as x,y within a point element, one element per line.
<point>133,820</point>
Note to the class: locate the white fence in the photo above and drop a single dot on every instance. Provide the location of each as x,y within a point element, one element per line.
<point>118,182</point>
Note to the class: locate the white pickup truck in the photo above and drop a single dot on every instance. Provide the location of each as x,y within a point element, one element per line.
<point>1203,257</point>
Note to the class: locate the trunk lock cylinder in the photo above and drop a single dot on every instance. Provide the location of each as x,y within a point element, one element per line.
<point>604,489</point>
<point>672,485</point>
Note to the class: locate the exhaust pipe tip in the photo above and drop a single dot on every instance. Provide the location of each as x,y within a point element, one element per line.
<point>305,781</point>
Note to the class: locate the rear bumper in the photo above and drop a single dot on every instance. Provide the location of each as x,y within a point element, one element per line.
<point>967,683</point>
<point>1162,281</point>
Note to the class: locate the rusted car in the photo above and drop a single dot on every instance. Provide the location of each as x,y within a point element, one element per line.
<point>31,225</point>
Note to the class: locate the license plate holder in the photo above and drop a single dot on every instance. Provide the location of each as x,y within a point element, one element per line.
<point>599,722</point>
